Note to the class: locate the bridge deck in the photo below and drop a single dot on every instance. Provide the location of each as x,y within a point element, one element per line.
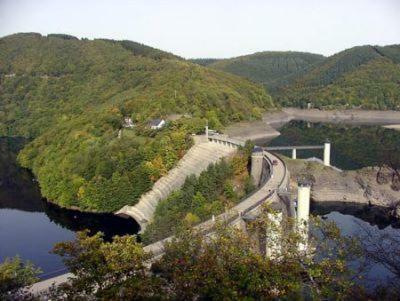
<point>299,147</point>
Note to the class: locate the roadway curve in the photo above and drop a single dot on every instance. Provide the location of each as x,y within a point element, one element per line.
<point>268,192</point>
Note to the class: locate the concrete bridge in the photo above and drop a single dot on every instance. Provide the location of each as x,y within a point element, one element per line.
<point>326,147</point>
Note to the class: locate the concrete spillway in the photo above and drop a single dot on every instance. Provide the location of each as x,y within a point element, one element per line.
<point>196,160</point>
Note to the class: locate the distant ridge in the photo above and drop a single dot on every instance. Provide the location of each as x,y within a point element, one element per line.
<point>362,76</point>
<point>266,67</point>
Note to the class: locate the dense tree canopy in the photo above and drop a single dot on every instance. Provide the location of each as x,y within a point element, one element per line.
<point>365,76</point>
<point>269,68</point>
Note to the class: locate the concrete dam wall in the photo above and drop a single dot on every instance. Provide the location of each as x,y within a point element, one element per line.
<point>196,160</point>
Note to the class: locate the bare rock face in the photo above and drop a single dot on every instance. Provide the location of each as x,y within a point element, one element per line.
<point>395,184</point>
<point>364,186</point>
<point>383,176</point>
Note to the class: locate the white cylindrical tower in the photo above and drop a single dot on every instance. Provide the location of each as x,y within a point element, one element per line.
<point>294,154</point>
<point>207,131</point>
<point>303,213</point>
<point>303,202</point>
<point>327,153</point>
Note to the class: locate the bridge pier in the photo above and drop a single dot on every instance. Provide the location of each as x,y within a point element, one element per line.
<point>327,153</point>
<point>303,213</point>
<point>294,154</point>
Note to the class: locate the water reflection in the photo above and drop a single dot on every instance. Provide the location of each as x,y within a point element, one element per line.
<point>373,215</point>
<point>373,269</point>
<point>30,226</point>
<point>19,190</point>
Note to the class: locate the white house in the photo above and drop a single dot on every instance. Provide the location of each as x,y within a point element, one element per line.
<point>157,124</point>
<point>128,123</point>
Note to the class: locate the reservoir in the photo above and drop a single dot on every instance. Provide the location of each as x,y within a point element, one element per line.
<point>366,225</point>
<point>30,226</point>
<point>353,146</point>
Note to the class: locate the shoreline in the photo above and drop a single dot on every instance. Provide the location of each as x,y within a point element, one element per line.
<point>353,116</point>
<point>392,127</point>
<point>268,127</point>
<point>357,187</point>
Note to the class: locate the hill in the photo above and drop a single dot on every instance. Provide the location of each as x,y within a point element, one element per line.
<point>70,97</point>
<point>267,68</point>
<point>204,62</point>
<point>364,76</point>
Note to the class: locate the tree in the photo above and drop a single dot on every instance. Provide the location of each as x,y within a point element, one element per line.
<point>103,269</point>
<point>14,275</point>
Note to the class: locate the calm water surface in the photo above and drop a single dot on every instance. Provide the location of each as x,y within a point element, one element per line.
<point>30,226</point>
<point>360,222</point>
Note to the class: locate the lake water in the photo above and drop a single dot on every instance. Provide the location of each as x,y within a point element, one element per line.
<point>352,147</point>
<point>30,226</point>
<point>368,227</point>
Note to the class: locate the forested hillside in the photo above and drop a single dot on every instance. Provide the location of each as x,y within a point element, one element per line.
<point>268,68</point>
<point>365,76</point>
<point>70,97</point>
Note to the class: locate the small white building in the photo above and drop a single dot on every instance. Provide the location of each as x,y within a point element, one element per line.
<point>128,123</point>
<point>157,124</point>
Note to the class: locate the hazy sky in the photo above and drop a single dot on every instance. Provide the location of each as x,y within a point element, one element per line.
<point>213,28</point>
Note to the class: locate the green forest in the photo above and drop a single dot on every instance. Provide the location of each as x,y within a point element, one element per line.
<point>360,77</point>
<point>366,77</point>
<point>269,68</point>
<point>69,97</point>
